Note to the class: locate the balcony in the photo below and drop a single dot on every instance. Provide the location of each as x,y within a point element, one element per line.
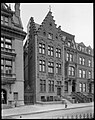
<point>8,51</point>
<point>8,78</point>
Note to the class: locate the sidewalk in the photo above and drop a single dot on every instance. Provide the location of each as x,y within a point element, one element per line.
<point>40,108</point>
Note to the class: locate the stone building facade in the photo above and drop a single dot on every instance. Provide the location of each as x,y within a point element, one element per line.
<point>45,61</point>
<point>12,36</point>
<point>51,64</point>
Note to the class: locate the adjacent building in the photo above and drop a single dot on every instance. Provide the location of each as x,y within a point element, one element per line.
<point>12,36</point>
<point>55,66</point>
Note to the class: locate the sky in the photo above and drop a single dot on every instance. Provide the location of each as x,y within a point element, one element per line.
<point>74,18</point>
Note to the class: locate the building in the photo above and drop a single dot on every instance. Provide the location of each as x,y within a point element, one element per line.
<point>85,80</point>
<point>51,64</point>
<point>12,36</point>
<point>44,53</point>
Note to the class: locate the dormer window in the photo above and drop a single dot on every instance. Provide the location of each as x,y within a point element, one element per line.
<point>89,51</point>
<point>80,48</point>
<point>69,44</point>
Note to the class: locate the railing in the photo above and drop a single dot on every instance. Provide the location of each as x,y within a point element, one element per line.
<point>77,97</point>
<point>85,98</point>
<point>8,78</point>
<point>77,116</point>
<point>80,97</point>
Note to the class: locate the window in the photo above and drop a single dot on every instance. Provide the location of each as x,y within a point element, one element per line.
<point>89,74</point>
<point>42,85</point>
<point>50,67</point>
<point>69,44</point>
<point>80,48</point>
<point>2,39</point>
<point>8,62</point>
<point>41,48</point>
<point>15,96</point>
<point>89,63</point>
<point>71,71</point>
<point>42,65</point>
<point>80,87</point>
<point>50,51</point>
<point>89,51</point>
<point>4,20</point>
<point>58,53</point>
<point>2,61</point>
<point>80,60</point>
<point>80,73</point>
<point>71,57</point>
<point>84,74</point>
<point>8,46</point>
<point>43,98</point>
<point>67,56</point>
<point>50,35</point>
<point>8,40</point>
<point>58,68</point>
<point>83,61</point>
<point>2,44</point>
<point>8,70</point>
<point>84,87</point>
<point>1,19</point>
<point>2,69</point>
<point>51,86</point>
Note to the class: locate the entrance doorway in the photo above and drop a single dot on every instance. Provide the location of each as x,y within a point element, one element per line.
<point>59,91</point>
<point>3,96</point>
<point>73,86</point>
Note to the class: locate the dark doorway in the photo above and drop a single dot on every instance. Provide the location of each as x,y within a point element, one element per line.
<point>59,91</point>
<point>73,86</point>
<point>90,88</point>
<point>3,96</point>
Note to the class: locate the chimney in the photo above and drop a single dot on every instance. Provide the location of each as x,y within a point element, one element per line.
<point>17,9</point>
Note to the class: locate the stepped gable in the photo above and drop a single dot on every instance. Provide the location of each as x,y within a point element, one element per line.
<point>48,23</point>
<point>32,26</point>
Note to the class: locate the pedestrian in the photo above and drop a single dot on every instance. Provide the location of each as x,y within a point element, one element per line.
<point>65,104</point>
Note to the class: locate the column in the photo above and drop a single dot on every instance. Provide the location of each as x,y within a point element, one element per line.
<point>13,68</point>
<point>69,87</point>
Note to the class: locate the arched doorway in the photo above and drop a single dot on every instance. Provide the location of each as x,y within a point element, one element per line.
<point>3,96</point>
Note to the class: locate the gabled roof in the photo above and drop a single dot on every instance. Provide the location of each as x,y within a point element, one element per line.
<point>5,7</point>
<point>81,44</point>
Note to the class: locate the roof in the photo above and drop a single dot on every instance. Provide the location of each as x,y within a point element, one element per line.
<point>37,26</point>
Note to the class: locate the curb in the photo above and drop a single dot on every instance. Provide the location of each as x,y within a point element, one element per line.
<point>38,112</point>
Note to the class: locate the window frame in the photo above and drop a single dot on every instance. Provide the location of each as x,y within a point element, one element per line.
<point>42,66</point>
<point>51,67</point>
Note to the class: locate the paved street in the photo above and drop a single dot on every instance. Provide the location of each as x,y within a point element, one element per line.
<point>48,111</point>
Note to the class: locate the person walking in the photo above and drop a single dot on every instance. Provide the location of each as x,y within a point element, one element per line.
<point>65,104</point>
